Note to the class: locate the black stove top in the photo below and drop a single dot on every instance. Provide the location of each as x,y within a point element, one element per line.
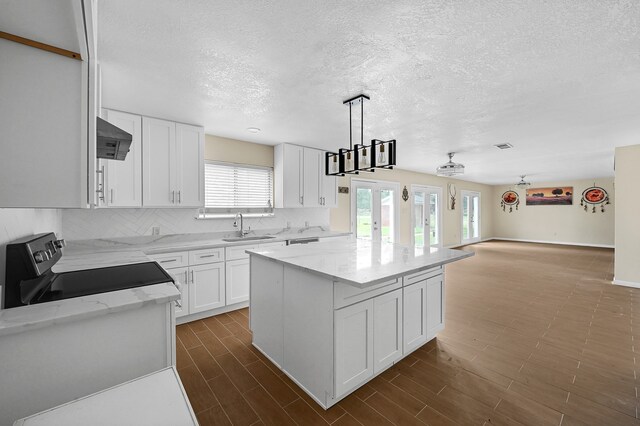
<point>101,280</point>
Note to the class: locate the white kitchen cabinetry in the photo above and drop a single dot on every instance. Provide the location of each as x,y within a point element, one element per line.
<point>172,164</point>
<point>435,306</point>
<point>330,336</point>
<point>415,316</point>
<point>207,287</point>
<point>123,179</point>
<point>237,284</point>
<point>181,277</point>
<point>311,178</point>
<point>354,342</point>
<point>387,327</point>
<point>300,180</point>
<point>190,165</point>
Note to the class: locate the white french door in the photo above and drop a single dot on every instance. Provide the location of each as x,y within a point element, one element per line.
<point>426,216</point>
<point>470,217</point>
<point>374,210</point>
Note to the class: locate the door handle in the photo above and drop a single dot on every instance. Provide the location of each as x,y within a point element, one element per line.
<point>173,197</point>
<point>179,198</point>
<point>191,276</point>
<point>111,195</point>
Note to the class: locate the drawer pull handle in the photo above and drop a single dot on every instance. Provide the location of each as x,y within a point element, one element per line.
<point>208,255</point>
<point>168,260</point>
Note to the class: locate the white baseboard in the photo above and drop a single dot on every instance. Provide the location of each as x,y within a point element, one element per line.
<point>563,243</point>
<point>625,283</point>
<point>468,244</point>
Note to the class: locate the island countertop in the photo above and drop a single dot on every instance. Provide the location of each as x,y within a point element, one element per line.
<point>361,263</point>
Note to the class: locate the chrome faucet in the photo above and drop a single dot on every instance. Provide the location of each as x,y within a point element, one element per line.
<point>241,231</point>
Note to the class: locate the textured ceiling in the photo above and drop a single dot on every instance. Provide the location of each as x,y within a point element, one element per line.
<point>560,80</point>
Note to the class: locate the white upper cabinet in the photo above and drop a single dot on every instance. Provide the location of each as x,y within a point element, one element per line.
<point>311,178</point>
<point>189,165</point>
<point>289,180</point>
<point>328,185</point>
<point>123,179</point>
<point>173,164</point>
<point>300,180</point>
<point>159,163</point>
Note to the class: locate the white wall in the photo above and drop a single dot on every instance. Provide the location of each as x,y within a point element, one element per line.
<point>78,224</point>
<point>18,223</point>
<point>627,257</point>
<point>557,224</point>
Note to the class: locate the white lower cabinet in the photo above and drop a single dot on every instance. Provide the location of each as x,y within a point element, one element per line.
<point>237,281</point>
<point>387,330</point>
<point>435,306</point>
<point>415,315</point>
<point>181,277</point>
<point>207,287</point>
<point>353,346</point>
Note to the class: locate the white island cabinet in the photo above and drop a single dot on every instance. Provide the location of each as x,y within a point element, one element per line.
<point>333,316</point>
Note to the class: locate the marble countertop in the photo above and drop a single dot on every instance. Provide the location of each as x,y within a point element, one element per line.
<point>25,318</point>
<point>155,244</point>
<point>157,398</point>
<point>360,263</point>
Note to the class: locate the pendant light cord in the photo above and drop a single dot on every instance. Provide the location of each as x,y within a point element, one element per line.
<point>350,129</point>
<point>361,121</point>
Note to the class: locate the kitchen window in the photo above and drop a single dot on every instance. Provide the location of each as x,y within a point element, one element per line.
<point>231,188</point>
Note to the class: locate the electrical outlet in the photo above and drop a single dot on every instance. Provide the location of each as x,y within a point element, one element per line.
<point>306,223</point>
<point>155,230</point>
<point>288,224</point>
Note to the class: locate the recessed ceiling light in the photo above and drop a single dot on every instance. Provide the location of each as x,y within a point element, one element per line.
<point>253,130</point>
<point>503,146</point>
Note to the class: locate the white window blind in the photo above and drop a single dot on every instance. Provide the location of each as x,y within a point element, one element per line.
<point>235,186</point>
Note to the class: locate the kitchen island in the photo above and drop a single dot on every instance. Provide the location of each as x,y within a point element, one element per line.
<point>334,315</point>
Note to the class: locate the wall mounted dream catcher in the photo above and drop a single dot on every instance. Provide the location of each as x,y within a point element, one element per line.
<point>592,196</point>
<point>510,199</point>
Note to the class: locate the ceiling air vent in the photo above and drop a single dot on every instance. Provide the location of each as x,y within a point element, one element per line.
<point>503,145</point>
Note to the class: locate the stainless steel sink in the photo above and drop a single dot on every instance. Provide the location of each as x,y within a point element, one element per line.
<point>236,239</point>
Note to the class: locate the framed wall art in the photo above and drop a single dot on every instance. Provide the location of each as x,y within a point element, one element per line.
<point>551,196</point>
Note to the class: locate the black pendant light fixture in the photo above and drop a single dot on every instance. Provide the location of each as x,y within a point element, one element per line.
<point>360,157</point>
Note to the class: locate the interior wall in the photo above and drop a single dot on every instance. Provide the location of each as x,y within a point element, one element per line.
<point>18,223</point>
<point>627,230</point>
<point>556,224</point>
<point>452,219</point>
<point>217,148</point>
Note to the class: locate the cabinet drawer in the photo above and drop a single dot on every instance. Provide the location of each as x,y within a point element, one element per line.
<point>238,252</point>
<point>345,294</point>
<point>422,275</point>
<point>171,260</point>
<point>201,257</point>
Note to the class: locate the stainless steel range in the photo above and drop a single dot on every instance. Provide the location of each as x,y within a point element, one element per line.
<point>29,279</point>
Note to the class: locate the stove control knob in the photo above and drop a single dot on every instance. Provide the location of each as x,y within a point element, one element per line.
<point>41,256</point>
<point>60,243</point>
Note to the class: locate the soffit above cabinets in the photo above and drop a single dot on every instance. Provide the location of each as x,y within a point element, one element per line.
<point>46,21</point>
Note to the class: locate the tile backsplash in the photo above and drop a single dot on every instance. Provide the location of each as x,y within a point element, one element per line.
<point>79,224</point>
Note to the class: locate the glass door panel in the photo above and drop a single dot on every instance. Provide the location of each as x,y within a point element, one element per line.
<point>419,219</point>
<point>364,213</point>
<point>387,215</point>
<point>374,210</point>
<point>426,216</point>
<point>470,217</point>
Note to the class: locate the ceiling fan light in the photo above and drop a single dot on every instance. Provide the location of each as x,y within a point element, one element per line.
<point>450,168</point>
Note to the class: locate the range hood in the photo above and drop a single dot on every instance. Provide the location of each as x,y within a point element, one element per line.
<point>113,143</point>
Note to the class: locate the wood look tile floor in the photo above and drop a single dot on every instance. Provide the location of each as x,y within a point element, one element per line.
<point>535,334</point>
